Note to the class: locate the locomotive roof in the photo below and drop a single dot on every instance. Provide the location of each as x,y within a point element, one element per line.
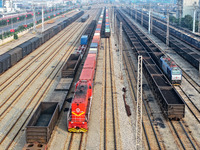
<point>170,62</point>
<point>81,90</point>
<point>81,93</point>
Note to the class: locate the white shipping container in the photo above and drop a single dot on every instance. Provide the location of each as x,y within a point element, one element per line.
<point>96,34</point>
<point>93,51</point>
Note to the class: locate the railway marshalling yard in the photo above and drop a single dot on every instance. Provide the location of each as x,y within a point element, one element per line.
<point>34,78</point>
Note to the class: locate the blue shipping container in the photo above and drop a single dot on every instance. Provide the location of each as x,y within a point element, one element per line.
<point>94,45</point>
<point>84,39</point>
<point>98,29</point>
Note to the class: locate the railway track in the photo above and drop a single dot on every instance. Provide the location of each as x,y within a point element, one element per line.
<point>6,80</point>
<point>150,133</point>
<point>73,140</point>
<point>110,141</point>
<point>189,103</point>
<point>76,141</point>
<point>29,79</point>
<point>183,135</point>
<point>191,81</point>
<point>182,138</point>
<point>16,122</point>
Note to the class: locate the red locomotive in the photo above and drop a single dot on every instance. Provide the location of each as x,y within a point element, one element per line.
<point>80,108</point>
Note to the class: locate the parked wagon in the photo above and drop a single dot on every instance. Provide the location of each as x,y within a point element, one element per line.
<point>71,66</point>
<point>42,123</point>
<point>84,18</point>
<point>26,48</point>
<point>15,54</point>
<point>35,42</point>
<point>4,62</point>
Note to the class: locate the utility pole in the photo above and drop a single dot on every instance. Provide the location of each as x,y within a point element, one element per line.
<point>151,26</point>
<point>12,22</point>
<point>25,18</point>
<point>131,10</point>
<point>135,13</point>
<point>2,34</point>
<point>194,19</point>
<point>120,47</point>
<point>42,19</point>
<point>115,23</point>
<point>199,21</point>
<point>113,19</point>
<point>139,106</point>
<point>180,4</point>
<point>149,29</point>
<point>34,19</point>
<point>167,34</point>
<point>142,17</point>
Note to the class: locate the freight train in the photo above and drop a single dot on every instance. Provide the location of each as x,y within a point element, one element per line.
<point>159,30</point>
<point>16,54</point>
<point>79,113</point>
<point>182,34</point>
<point>51,108</point>
<point>107,25</point>
<point>171,103</point>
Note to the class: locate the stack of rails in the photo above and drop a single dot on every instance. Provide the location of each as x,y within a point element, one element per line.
<point>43,120</point>
<point>159,30</point>
<point>107,25</point>
<point>78,116</point>
<point>16,54</point>
<point>169,100</point>
<point>181,33</point>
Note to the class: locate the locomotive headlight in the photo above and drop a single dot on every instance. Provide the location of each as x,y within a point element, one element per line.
<point>83,122</point>
<point>71,122</point>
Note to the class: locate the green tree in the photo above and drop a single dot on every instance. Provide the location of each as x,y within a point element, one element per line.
<point>15,36</point>
<point>187,22</point>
